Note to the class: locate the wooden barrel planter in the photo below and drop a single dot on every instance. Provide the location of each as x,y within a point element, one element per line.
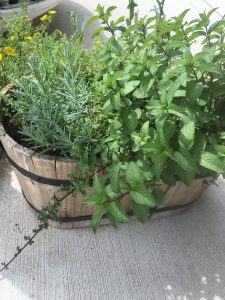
<point>40,177</point>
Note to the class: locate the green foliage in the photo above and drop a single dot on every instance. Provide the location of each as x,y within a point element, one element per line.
<point>164,104</point>
<point>55,106</point>
<point>143,197</point>
<point>212,162</point>
<point>140,110</point>
<point>96,218</point>
<point>77,32</point>
<point>116,211</point>
<point>20,41</point>
<point>134,175</point>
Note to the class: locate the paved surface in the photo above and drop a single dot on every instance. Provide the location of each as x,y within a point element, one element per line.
<point>180,257</point>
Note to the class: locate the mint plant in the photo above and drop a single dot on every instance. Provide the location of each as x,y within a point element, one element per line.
<point>165,106</point>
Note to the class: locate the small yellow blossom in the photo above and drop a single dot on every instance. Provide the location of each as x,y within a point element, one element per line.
<point>9,51</point>
<point>52,12</point>
<point>1,57</point>
<point>44,18</point>
<point>12,38</point>
<point>28,38</point>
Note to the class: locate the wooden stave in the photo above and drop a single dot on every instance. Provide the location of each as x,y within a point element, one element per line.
<point>48,166</point>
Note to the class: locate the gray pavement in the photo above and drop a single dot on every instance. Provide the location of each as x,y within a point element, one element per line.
<point>180,257</point>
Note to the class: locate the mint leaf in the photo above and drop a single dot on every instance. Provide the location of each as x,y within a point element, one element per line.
<point>212,162</point>
<point>142,91</point>
<point>96,218</point>
<point>113,221</point>
<point>143,197</point>
<point>140,211</point>
<point>130,86</point>
<point>160,162</point>
<point>92,19</point>
<point>134,175</point>
<point>156,108</point>
<point>114,178</point>
<point>98,31</point>
<point>187,177</point>
<point>115,209</point>
<point>110,9</point>
<point>94,199</point>
<point>115,100</point>
<point>172,90</point>
<point>181,111</point>
<point>130,122</point>
<point>144,132</point>
<point>187,135</point>
<point>209,68</point>
<point>194,90</point>
<point>159,196</point>
<point>185,160</point>
<point>98,184</point>
<point>199,145</point>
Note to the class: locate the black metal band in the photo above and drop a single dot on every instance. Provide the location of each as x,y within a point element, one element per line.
<point>39,179</point>
<point>50,181</point>
<point>129,213</point>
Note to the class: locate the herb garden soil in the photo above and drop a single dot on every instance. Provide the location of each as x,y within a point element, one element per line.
<point>14,132</point>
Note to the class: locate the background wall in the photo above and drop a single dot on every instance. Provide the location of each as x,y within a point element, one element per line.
<point>87,8</point>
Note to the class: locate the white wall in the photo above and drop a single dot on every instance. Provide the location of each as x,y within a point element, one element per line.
<point>87,8</point>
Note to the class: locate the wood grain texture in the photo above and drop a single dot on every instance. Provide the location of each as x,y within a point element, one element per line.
<point>52,167</point>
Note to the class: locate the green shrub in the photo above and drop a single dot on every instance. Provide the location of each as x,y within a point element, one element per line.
<point>20,40</point>
<point>165,106</point>
<point>54,106</point>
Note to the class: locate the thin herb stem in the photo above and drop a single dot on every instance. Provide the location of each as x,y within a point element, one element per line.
<point>43,225</point>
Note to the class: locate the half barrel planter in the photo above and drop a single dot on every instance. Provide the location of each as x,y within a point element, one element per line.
<point>41,176</point>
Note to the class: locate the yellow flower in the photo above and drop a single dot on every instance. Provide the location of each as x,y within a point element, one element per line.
<point>44,18</point>
<point>12,38</point>
<point>28,38</point>
<point>52,12</point>
<point>9,51</point>
<point>1,57</point>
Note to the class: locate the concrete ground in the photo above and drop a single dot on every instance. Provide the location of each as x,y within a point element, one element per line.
<point>180,257</point>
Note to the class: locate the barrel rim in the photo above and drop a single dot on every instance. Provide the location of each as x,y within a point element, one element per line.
<point>48,157</point>
<point>4,134</point>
